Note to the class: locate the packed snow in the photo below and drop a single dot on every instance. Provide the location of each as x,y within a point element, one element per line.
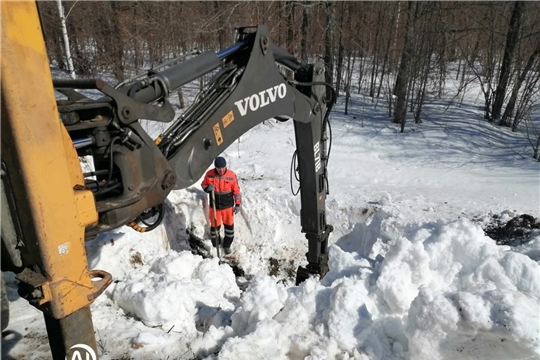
<point>412,273</point>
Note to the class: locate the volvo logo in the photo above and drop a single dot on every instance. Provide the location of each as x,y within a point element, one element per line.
<point>263,98</point>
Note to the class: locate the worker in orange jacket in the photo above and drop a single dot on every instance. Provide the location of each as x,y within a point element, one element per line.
<point>224,184</point>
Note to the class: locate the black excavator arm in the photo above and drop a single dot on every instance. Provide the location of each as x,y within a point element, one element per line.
<point>134,173</point>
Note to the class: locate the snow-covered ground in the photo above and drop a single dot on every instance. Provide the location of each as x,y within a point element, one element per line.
<point>412,274</point>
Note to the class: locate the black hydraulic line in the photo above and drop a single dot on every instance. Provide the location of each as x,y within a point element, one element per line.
<point>108,189</point>
<point>111,165</point>
<point>192,111</point>
<point>328,155</point>
<point>95,173</point>
<point>295,171</point>
<point>75,84</point>
<point>159,220</point>
<point>326,120</point>
<point>91,184</point>
<point>199,112</point>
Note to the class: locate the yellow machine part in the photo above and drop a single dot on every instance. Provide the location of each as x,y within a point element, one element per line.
<point>53,204</point>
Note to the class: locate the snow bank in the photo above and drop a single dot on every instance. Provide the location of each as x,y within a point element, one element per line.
<point>444,292</point>
<point>395,290</point>
<point>122,251</point>
<point>467,291</point>
<point>179,292</point>
<point>262,300</point>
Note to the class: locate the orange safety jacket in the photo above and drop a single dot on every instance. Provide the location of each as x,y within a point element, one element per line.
<point>227,191</point>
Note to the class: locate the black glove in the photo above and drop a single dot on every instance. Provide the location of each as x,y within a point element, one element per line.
<point>210,188</point>
<point>237,208</point>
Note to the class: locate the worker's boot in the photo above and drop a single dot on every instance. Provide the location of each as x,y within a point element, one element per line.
<point>228,239</point>
<point>213,235</point>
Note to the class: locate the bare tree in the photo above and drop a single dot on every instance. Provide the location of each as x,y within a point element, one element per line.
<point>341,48</point>
<point>220,31</point>
<point>517,85</point>
<point>350,59</point>
<point>509,48</point>
<point>403,76</point>
<point>525,104</point>
<point>328,53</point>
<point>304,32</point>
<point>65,37</point>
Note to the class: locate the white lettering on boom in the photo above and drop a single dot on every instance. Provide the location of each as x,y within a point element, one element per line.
<point>259,100</point>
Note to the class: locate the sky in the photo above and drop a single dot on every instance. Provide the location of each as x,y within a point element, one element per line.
<point>412,273</point>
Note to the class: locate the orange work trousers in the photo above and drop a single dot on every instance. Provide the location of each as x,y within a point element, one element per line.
<point>225,216</point>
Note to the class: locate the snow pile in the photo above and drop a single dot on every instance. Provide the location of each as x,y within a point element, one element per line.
<point>444,290</point>
<point>464,290</point>
<point>262,301</point>
<point>122,251</point>
<point>178,292</point>
<point>447,291</point>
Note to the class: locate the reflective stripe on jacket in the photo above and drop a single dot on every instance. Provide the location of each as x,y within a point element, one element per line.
<point>227,191</point>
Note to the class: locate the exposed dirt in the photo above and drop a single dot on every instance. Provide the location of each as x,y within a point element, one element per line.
<point>136,258</point>
<point>274,267</point>
<point>199,248</point>
<point>283,269</point>
<point>514,232</point>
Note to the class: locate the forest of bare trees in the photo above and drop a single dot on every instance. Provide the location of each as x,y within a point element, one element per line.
<point>398,51</point>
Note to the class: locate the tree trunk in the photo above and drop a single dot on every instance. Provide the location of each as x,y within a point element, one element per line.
<point>53,36</point>
<point>535,155</point>
<point>80,62</point>
<point>396,29</point>
<point>328,60</point>
<point>290,26</point>
<point>402,81</point>
<point>442,66</point>
<point>362,53</point>
<point>385,61</point>
<point>458,68</point>
<point>373,73</point>
<point>116,47</point>
<point>517,85</point>
<point>511,42</point>
<point>138,56</point>
<point>304,29</point>
<point>361,67</point>
<point>350,66</point>
<point>524,104</point>
<point>69,59</point>
<point>181,98</point>
<point>375,68</point>
<point>422,91</point>
<point>220,24</point>
<point>341,49</point>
